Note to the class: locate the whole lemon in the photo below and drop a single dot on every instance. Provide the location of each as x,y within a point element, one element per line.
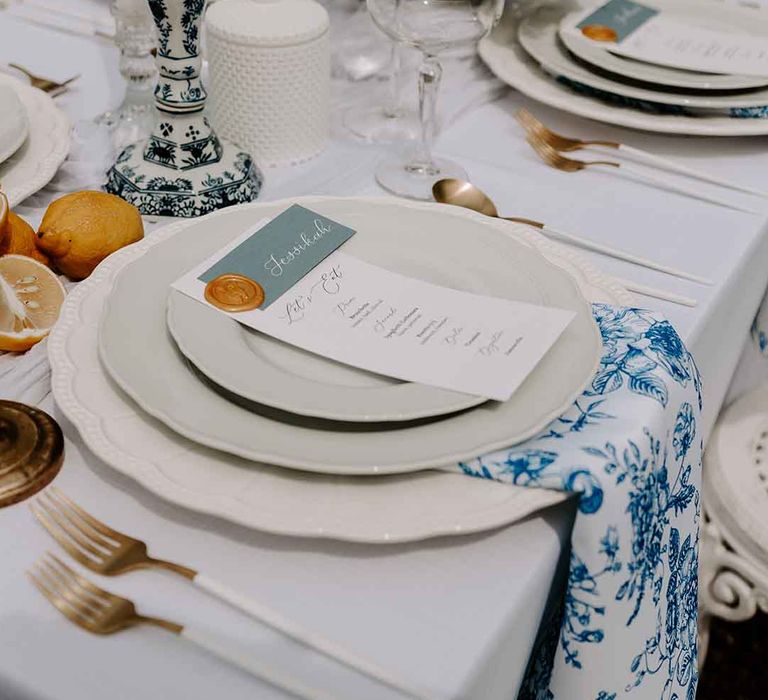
<point>80,229</point>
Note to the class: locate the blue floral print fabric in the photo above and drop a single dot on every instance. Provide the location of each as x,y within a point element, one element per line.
<point>630,447</point>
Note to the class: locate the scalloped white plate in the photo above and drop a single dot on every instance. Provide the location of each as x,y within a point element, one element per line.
<point>511,64</point>
<point>443,245</point>
<point>14,125</point>
<point>46,147</point>
<point>387,509</point>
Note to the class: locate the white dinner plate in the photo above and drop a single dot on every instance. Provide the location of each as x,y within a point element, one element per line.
<point>266,371</point>
<point>538,36</point>
<point>511,64</point>
<point>730,17</point>
<point>707,13</point>
<point>14,124</point>
<point>34,164</point>
<point>389,509</point>
<point>139,354</point>
<point>647,72</point>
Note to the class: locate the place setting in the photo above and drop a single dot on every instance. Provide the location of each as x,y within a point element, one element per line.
<point>354,401</point>
<point>591,61</point>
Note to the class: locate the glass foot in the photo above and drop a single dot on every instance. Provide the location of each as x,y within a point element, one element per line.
<point>414,181</point>
<point>376,125</point>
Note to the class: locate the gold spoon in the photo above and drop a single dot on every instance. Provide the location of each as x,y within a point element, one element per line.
<point>464,194</point>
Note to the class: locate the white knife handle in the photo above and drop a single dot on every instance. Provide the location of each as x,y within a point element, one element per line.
<point>685,170</point>
<point>624,255</point>
<point>672,186</point>
<point>655,293</point>
<point>311,639</point>
<point>245,659</point>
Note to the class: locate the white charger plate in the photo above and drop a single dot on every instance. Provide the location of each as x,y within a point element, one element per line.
<point>14,124</point>
<point>389,509</point>
<point>35,163</point>
<point>271,373</point>
<point>140,356</point>
<point>511,64</point>
<point>703,13</point>
<point>538,35</point>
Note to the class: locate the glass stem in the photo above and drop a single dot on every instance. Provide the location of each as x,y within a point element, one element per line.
<point>429,84</point>
<point>392,104</point>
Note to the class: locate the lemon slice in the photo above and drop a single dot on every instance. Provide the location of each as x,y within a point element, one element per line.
<point>30,301</point>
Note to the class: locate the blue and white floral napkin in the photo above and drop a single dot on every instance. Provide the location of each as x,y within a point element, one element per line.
<point>630,447</point>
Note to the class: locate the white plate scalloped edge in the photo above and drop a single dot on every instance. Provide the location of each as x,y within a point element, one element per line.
<point>47,145</point>
<point>77,318</point>
<point>509,62</point>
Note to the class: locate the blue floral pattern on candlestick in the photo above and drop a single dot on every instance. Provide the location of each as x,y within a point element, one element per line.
<point>163,24</point>
<point>193,9</point>
<point>630,447</point>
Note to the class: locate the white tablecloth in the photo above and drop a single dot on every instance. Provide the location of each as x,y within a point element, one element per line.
<point>457,615</point>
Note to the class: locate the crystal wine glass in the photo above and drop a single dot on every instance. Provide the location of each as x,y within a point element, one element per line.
<point>432,26</point>
<point>385,120</point>
<point>136,38</point>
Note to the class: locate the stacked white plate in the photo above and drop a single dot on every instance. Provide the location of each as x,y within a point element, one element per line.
<point>34,139</point>
<point>227,421</point>
<point>544,58</point>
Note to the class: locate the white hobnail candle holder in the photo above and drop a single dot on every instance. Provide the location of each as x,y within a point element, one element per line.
<point>269,66</point>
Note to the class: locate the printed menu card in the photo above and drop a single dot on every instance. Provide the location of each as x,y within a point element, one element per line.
<point>288,279</point>
<point>667,36</point>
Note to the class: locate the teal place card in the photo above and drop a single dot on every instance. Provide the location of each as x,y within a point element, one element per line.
<point>623,16</point>
<point>281,252</point>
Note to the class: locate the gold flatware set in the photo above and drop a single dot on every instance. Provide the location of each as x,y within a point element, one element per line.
<point>566,144</point>
<point>108,552</point>
<point>101,612</point>
<point>547,145</point>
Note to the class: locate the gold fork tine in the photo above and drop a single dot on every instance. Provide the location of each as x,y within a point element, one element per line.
<point>559,161</point>
<point>93,522</point>
<point>61,604</point>
<point>81,525</point>
<point>561,143</point>
<point>61,586</point>
<point>73,551</point>
<point>89,591</point>
<point>62,531</point>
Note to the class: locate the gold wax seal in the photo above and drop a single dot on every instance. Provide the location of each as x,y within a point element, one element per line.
<point>599,32</point>
<point>31,451</point>
<point>231,292</point>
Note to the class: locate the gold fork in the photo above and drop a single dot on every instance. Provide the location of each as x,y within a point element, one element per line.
<point>45,84</point>
<point>108,552</point>
<point>567,144</point>
<point>101,612</point>
<point>570,165</point>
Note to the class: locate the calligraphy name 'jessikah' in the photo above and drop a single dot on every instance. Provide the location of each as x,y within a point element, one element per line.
<point>276,264</point>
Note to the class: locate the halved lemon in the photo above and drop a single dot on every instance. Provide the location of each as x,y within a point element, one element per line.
<point>31,296</point>
<point>4,209</point>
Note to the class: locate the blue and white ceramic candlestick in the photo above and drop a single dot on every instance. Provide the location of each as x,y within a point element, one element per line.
<point>183,169</point>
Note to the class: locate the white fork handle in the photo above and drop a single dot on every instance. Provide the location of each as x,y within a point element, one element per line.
<point>246,660</point>
<point>680,189</point>
<point>647,291</point>
<point>292,629</point>
<point>623,255</point>
<point>685,170</point>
